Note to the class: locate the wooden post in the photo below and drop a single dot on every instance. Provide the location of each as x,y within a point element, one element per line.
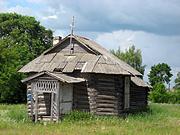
<point>52,97</point>
<point>36,106</point>
<point>57,100</point>
<point>127,93</point>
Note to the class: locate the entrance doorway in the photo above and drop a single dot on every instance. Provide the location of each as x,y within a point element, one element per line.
<point>45,102</point>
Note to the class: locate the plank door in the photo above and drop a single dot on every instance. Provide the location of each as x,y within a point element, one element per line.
<point>66,98</point>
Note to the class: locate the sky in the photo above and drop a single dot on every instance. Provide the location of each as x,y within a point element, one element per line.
<point>152,26</point>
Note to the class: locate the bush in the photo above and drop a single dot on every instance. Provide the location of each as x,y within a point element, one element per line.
<point>174,96</point>
<point>159,94</point>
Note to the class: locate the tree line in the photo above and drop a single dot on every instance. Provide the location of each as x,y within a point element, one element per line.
<point>23,38</point>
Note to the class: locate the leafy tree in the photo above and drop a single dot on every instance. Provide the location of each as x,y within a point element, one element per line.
<point>159,94</point>
<point>132,56</point>
<point>22,38</point>
<point>160,73</point>
<point>177,81</point>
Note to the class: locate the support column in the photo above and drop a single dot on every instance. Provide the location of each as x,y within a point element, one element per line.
<point>36,106</point>
<point>57,100</point>
<point>126,93</point>
<point>52,98</point>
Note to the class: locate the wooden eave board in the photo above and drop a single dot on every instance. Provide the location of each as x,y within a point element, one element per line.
<point>68,79</point>
<point>58,76</point>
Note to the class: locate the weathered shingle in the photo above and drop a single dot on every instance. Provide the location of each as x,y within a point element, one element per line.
<point>96,60</point>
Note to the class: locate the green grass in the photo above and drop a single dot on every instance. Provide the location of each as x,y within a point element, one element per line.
<point>163,119</point>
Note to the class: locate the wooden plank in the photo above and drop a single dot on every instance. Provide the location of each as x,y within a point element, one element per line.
<point>91,64</point>
<point>127,93</point>
<point>47,58</point>
<point>79,65</point>
<point>72,63</point>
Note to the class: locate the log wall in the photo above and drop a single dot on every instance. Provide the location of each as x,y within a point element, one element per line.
<point>106,94</point>
<point>44,104</point>
<point>80,97</point>
<point>138,97</point>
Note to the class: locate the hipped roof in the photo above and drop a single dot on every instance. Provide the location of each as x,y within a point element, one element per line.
<point>58,76</point>
<point>99,61</point>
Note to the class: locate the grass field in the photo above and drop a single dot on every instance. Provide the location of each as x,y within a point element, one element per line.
<point>163,119</point>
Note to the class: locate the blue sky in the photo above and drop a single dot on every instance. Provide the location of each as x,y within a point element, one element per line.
<point>152,26</point>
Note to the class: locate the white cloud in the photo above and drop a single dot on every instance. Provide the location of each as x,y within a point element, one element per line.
<point>50,17</point>
<point>21,10</point>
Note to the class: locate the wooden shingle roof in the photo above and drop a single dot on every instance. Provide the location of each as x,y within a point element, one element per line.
<point>96,59</point>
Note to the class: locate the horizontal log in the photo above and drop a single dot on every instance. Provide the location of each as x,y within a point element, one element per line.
<point>107,101</point>
<point>106,97</point>
<point>107,105</point>
<point>112,90</point>
<point>102,109</point>
<point>104,78</point>
<point>28,102</point>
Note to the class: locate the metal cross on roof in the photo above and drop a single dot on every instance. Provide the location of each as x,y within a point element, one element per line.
<point>72,30</point>
<point>72,26</point>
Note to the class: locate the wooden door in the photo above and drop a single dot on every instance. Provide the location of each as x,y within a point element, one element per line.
<point>66,98</point>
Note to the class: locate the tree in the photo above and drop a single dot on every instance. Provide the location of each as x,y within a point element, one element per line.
<point>132,56</point>
<point>159,94</point>
<point>160,73</point>
<point>22,38</point>
<point>177,81</point>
